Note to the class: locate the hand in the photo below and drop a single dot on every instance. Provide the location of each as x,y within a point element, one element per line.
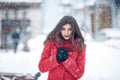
<point>62,54</point>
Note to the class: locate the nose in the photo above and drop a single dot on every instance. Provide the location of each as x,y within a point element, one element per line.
<point>66,31</point>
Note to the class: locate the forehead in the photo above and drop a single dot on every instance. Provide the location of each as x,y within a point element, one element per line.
<point>67,26</point>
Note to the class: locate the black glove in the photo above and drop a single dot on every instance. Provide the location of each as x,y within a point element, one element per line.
<point>62,54</point>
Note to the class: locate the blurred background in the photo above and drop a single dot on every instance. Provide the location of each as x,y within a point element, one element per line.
<point>25,24</point>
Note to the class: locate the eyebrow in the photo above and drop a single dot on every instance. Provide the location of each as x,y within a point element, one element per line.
<point>67,28</point>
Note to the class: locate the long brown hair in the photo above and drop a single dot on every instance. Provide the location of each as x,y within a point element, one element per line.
<point>76,33</point>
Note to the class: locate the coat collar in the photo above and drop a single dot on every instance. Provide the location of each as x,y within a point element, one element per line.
<point>66,44</point>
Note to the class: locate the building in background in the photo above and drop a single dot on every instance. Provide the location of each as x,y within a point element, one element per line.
<point>41,16</point>
<point>104,15</point>
<point>117,13</point>
<point>92,15</point>
<point>22,16</point>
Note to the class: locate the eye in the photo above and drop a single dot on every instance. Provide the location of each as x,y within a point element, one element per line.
<point>70,29</point>
<point>63,29</point>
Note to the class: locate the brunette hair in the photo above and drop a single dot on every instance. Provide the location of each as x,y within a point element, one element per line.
<point>76,33</point>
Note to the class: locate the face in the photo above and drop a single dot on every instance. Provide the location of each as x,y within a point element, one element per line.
<point>66,31</point>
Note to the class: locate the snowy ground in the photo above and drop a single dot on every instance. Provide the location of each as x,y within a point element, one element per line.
<point>102,61</point>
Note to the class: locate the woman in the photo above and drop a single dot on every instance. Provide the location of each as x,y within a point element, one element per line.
<point>64,51</point>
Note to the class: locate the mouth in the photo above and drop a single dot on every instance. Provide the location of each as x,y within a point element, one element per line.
<point>66,36</point>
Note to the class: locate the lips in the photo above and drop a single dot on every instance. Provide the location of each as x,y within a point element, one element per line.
<point>66,36</point>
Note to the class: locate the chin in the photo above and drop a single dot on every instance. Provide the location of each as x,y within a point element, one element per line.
<point>66,38</point>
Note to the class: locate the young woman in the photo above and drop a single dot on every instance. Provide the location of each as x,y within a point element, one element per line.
<point>64,51</point>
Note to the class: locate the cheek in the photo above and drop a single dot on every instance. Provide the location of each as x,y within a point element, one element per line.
<point>70,32</point>
<point>62,33</point>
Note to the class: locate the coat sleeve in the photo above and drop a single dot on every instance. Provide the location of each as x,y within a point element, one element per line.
<point>76,66</point>
<point>48,58</point>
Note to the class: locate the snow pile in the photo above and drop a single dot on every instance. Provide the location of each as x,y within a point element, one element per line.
<point>102,61</point>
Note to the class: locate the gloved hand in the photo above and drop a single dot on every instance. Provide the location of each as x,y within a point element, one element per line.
<point>62,54</point>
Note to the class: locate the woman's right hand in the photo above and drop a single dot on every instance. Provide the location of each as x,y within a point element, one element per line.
<point>62,54</point>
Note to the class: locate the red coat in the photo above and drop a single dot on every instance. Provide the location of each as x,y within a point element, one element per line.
<point>71,69</point>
